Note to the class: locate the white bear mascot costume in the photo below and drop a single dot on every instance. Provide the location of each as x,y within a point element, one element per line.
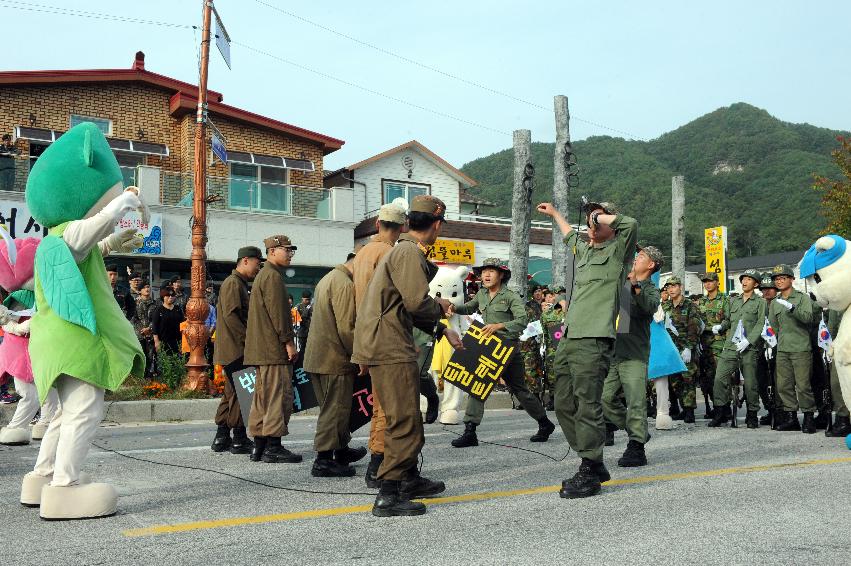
<point>449,284</point>
<point>827,268</point>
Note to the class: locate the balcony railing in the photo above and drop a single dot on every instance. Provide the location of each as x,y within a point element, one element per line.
<point>481,219</point>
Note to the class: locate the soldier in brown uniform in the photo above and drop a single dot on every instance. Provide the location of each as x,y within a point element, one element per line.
<point>328,361</point>
<point>396,300</point>
<point>232,318</point>
<point>391,219</point>
<point>270,345</point>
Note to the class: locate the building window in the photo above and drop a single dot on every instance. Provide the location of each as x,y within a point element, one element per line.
<point>257,187</point>
<point>104,124</point>
<point>128,164</point>
<point>396,189</point>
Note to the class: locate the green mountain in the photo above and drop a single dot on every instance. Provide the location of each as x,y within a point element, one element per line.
<point>743,168</point>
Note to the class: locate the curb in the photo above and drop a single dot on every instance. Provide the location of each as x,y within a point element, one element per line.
<point>177,410</point>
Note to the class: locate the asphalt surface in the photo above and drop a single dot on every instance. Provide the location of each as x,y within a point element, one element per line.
<point>692,503</point>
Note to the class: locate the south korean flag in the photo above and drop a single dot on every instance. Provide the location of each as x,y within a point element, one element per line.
<point>825,340</point>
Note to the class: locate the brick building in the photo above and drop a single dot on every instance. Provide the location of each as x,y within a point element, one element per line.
<point>272,183</point>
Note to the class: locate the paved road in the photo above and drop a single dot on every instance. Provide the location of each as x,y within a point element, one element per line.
<point>708,496</point>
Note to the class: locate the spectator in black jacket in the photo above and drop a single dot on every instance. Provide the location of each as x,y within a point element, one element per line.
<point>123,297</point>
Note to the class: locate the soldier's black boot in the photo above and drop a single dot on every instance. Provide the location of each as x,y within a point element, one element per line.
<point>840,429</point>
<point>603,474</point>
<point>325,467</point>
<point>390,503</point>
<point>767,419</point>
<point>259,448</point>
<point>277,454</point>
<point>610,435</point>
<point>633,456</point>
<point>822,419</point>
<point>723,414</point>
<point>467,439</point>
<point>751,421</point>
<point>809,426</point>
<point>790,422</point>
<point>222,440</point>
<point>241,444</point>
<point>585,483</point>
<point>675,412</point>
<point>688,415</point>
<point>371,478</point>
<point>429,390</point>
<point>417,487</point>
<point>346,455</point>
<point>545,429</point>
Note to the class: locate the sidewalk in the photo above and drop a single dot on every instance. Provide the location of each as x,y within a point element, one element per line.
<point>153,410</point>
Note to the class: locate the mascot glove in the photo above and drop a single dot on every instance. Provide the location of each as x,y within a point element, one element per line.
<point>17,328</point>
<point>784,303</point>
<point>716,329</point>
<point>742,345</point>
<point>769,353</point>
<point>125,241</point>
<point>5,315</point>
<point>126,202</point>
<point>686,355</point>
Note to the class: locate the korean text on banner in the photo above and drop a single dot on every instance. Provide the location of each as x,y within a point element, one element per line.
<point>477,368</point>
<point>716,248</point>
<point>453,251</point>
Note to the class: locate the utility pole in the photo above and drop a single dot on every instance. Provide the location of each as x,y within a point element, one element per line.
<point>521,211</point>
<point>678,228</point>
<point>196,307</point>
<point>562,270</point>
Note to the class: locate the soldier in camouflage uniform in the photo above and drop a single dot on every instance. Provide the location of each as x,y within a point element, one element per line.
<point>714,310</point>
<point>552,319</point>
<point>533,370</point>
<point>682,320</point>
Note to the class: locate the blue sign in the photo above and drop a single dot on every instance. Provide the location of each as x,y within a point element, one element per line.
<point>219,149</point>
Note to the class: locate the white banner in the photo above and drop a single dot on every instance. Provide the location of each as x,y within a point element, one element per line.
<point>152,232</point>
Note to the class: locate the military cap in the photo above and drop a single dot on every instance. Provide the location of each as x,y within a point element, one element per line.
<point>654,254</point>
<point>752,273</point>
<point>279,241</point>
<point>608,207</point>
<point>710,276</point>
<point>429,205</point>
<point>782,269</point>
<point>767,282</point>
<point>494,263</point>
<point>249,251</point>
<point>673,281</point>
<point>392,213</point>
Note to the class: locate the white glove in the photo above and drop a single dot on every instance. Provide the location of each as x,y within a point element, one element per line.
<point>123,203</point>
<point>742,345</point>
<point>17,328</point>
<point>769,353</point>
<point>5,315</point>
<point>659,315</point>
<point>686,356</point>
<point>125,241</point>
<point>716,329</point>
<point>783,302</point>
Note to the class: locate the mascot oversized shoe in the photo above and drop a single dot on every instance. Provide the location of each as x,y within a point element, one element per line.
<point>15,436</point>
<point>39,430</point>
<point>89,501</point>
<point>34,483</point>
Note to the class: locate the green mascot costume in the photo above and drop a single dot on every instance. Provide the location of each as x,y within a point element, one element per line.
<point>80,342</point>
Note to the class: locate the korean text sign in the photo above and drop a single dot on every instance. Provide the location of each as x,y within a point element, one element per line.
<point>453,251</point>
<point>477,368</point>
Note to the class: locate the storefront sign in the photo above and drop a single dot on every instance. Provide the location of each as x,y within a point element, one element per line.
<point>16,217</point>
<point>453,251</point>
<point>716,248</point>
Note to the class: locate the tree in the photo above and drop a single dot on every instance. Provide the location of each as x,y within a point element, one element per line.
<point>836,194</point>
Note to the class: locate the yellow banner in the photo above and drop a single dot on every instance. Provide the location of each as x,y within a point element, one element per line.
<point>716,248</point>
<point>453,251</point>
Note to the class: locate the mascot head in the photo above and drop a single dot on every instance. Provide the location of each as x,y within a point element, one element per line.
<point>17,261</point>
<point>76,173</point>
<point>449,284</point>
<point>827,268</point>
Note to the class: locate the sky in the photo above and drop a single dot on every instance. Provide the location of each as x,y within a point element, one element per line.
<point>629,69</point>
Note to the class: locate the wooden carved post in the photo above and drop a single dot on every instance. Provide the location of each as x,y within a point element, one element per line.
<point>521,212</point>
<point>196,307</point>
<point>678,228</point>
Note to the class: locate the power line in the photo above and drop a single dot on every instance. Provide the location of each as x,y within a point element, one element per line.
<point>434,69</point>
<point>43,8</point>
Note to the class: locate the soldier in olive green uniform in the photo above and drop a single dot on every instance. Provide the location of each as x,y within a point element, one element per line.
<point>791,315</point>
<point>740,352</point>
<point>714,310</point>
<point>585,353</point>
<point>533,370</point>
<point>552,321</point>
<point>842,425</point>
<point>628,371</point>
<point>505,316</point>
<point>682,320</point>
<point>766,361</point>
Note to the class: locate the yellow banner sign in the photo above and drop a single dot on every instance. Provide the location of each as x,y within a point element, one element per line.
<point>716,248</point>
<point>453,251</point>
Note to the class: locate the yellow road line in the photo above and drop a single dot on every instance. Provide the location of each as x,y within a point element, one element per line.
<point>317,513</point>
